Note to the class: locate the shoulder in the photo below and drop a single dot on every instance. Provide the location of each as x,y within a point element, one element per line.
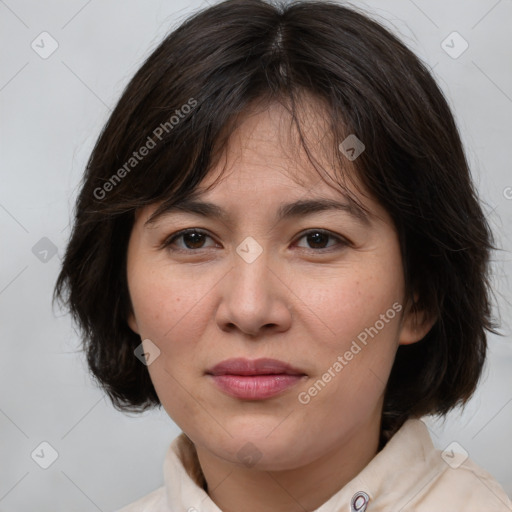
<point>447,480</point>
<point>466,486</point>
<point>411,475</point>
<point>155,501</point>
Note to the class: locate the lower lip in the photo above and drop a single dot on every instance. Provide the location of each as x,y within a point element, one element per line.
<point>255,387</point>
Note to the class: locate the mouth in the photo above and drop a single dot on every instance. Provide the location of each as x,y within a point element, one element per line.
<point>252,367</point>
<point>254,379</point>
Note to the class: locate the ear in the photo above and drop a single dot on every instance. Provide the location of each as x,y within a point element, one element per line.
<point>132,323</point>
<point>415,324</point>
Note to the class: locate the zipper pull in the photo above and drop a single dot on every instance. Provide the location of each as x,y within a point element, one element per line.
<point>359,502</point>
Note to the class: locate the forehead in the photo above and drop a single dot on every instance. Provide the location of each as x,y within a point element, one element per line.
<point>265,161</point>
<point>268,144</point>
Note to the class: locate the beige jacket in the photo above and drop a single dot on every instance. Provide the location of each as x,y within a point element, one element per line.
<point>407,475</point>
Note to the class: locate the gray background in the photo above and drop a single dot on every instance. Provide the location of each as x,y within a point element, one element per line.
<point>52,111</point>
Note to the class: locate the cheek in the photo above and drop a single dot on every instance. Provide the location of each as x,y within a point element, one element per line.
<point>169,308</point>
<point>168,303</point>
<point>360,311</point>
<point>353,367</point>
<point>352,301</point>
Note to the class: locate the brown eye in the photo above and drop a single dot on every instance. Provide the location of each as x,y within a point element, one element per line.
<point>192,239</point>
<point>318,238</point>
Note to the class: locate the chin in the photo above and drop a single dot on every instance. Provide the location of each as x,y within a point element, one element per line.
<point>261,451</point>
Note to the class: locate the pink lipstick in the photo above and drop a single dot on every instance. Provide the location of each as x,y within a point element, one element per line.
<point>256,379</point>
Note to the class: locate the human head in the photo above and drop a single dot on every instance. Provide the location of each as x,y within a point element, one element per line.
<point>220,62</point>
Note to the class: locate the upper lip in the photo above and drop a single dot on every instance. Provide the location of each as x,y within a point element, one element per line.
<point>263,366</point>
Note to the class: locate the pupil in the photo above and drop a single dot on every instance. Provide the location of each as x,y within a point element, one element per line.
<point>197,237</point>
<point>317,236</point>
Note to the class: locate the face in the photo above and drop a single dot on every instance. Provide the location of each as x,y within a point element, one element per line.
<point>321,291</point>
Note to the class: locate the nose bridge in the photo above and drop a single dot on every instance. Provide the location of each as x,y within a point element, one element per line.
<point>251,262</point>
<point>250,250</point>
<point>252,297</point>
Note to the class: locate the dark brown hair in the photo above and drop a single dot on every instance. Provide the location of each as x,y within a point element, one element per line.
<point>220,61</point>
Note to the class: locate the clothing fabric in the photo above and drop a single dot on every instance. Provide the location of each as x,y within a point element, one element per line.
<point>408,475</point>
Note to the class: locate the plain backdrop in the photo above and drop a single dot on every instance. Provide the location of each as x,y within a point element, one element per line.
<point>52,111</point>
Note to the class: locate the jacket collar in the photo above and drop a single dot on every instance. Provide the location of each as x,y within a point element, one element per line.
<point>395,475</point>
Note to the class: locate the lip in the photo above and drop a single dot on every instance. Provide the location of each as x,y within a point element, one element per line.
<point>256,379</point>
<point>262,366</point>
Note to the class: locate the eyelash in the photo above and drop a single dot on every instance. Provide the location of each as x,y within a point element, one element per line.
<point>343,242</point>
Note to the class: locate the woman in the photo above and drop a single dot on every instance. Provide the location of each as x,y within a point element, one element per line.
<point>277,240</point>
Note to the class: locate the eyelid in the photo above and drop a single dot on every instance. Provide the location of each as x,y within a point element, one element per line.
<point>342,240</point>
<point>177,234</point>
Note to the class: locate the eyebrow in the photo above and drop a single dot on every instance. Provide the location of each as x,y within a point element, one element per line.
<point>298,208</point>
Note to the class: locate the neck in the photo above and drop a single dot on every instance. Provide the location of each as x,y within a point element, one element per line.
<point>305,488</point>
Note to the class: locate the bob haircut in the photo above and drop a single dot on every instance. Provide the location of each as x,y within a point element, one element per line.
<point>182,105</point>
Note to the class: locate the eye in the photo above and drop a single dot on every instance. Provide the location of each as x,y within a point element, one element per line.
<point>193,239</point>
<point>318,237</point>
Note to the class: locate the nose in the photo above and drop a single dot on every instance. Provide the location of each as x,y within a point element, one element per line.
<point>254,298</point>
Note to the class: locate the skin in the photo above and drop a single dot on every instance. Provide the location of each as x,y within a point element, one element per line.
<point>303,301</point>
